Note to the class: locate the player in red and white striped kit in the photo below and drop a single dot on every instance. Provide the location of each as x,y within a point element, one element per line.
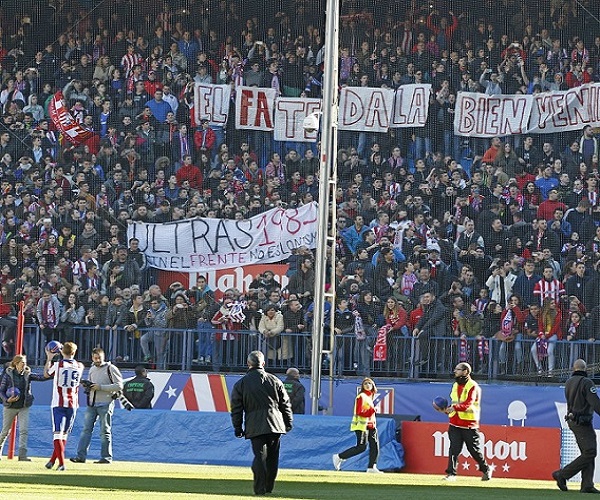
<point>548,287</point>
<point>67,374</point>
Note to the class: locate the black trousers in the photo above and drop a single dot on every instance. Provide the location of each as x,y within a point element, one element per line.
<point>458,437</point>
<point>584,463</point>
<point>9,327</point>
<point>266,462</point>
<point>362,437</point>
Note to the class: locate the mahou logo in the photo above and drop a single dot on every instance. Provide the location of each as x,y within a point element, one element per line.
<point>499,450</point>
<point>515,452</point>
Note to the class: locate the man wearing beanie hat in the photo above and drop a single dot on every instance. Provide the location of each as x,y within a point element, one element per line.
<point>295,390</point>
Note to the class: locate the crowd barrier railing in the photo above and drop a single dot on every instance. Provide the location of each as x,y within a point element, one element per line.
<point>407,357</point>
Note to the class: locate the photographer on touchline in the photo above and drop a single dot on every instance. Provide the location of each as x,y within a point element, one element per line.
<point>106,379</point>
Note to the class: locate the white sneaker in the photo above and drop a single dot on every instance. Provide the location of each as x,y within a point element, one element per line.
<point>337,461</point>
<point>374,470</point>
<point>450,478</point>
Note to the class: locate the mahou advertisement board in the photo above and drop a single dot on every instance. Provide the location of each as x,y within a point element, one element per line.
<point>512,452</point>
<point>220,280</point>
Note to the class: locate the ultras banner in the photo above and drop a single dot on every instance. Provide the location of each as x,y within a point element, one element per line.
<point>204,244</point>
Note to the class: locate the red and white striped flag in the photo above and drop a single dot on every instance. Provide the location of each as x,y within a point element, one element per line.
<point>65,123</point>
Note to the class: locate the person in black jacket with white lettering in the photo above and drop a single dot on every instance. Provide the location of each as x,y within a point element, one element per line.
<point>295,390</point>
<point>140,389</point>
<point>260,400</point>
<point>582,402</point>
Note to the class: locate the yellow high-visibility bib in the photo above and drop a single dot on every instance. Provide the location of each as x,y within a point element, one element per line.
<point>472,414</point>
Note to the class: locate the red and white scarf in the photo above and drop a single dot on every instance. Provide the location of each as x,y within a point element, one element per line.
<point>507,324</point>
<point>380,348</point>
<point>49,314</point>
<point>359,328</point>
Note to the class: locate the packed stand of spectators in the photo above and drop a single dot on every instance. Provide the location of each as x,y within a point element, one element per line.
<point>436,235</point>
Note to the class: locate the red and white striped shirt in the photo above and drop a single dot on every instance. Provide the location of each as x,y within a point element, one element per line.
<point>67,375</point>
<point>128,61</point>
<point>552,289</point>
<point>79,268</point>
<point>407,41</point>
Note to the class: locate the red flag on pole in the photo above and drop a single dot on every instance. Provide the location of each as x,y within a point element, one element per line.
<point>65,123</point>
<point>20,329</point>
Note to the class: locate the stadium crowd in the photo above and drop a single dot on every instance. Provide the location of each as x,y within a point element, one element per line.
<point>437,235</point>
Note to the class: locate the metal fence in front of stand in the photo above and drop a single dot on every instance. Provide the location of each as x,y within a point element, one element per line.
<point>207,349</point>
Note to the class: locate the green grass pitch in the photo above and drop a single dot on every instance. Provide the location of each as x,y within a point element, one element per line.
<point>139,480</point>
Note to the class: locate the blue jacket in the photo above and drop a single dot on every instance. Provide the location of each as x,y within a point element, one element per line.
<point>524,288</point>
<point>545,185</point>
<point>189,50</point>
<point>398,256</point>
<point>354,237</point>
<point>159,109</point>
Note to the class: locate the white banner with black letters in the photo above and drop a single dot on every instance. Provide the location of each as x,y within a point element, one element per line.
<point>289,115</point>
<point>366,109</point>
<point>565,110</point>
<point>212,102</point>
<point>206,244</point>
<point>369,109</point>
<point>480,115</point>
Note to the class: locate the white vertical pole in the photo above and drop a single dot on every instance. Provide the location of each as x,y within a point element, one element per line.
<point>327,184</point>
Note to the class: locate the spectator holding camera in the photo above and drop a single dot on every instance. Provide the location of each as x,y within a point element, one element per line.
<point>258,289</point>
<point>72,315</point>
<point>500,283</point>
<point>384,244</point>
<point>106,380</point>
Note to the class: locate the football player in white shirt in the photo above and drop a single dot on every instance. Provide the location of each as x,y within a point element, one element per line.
<point>67,374</point>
